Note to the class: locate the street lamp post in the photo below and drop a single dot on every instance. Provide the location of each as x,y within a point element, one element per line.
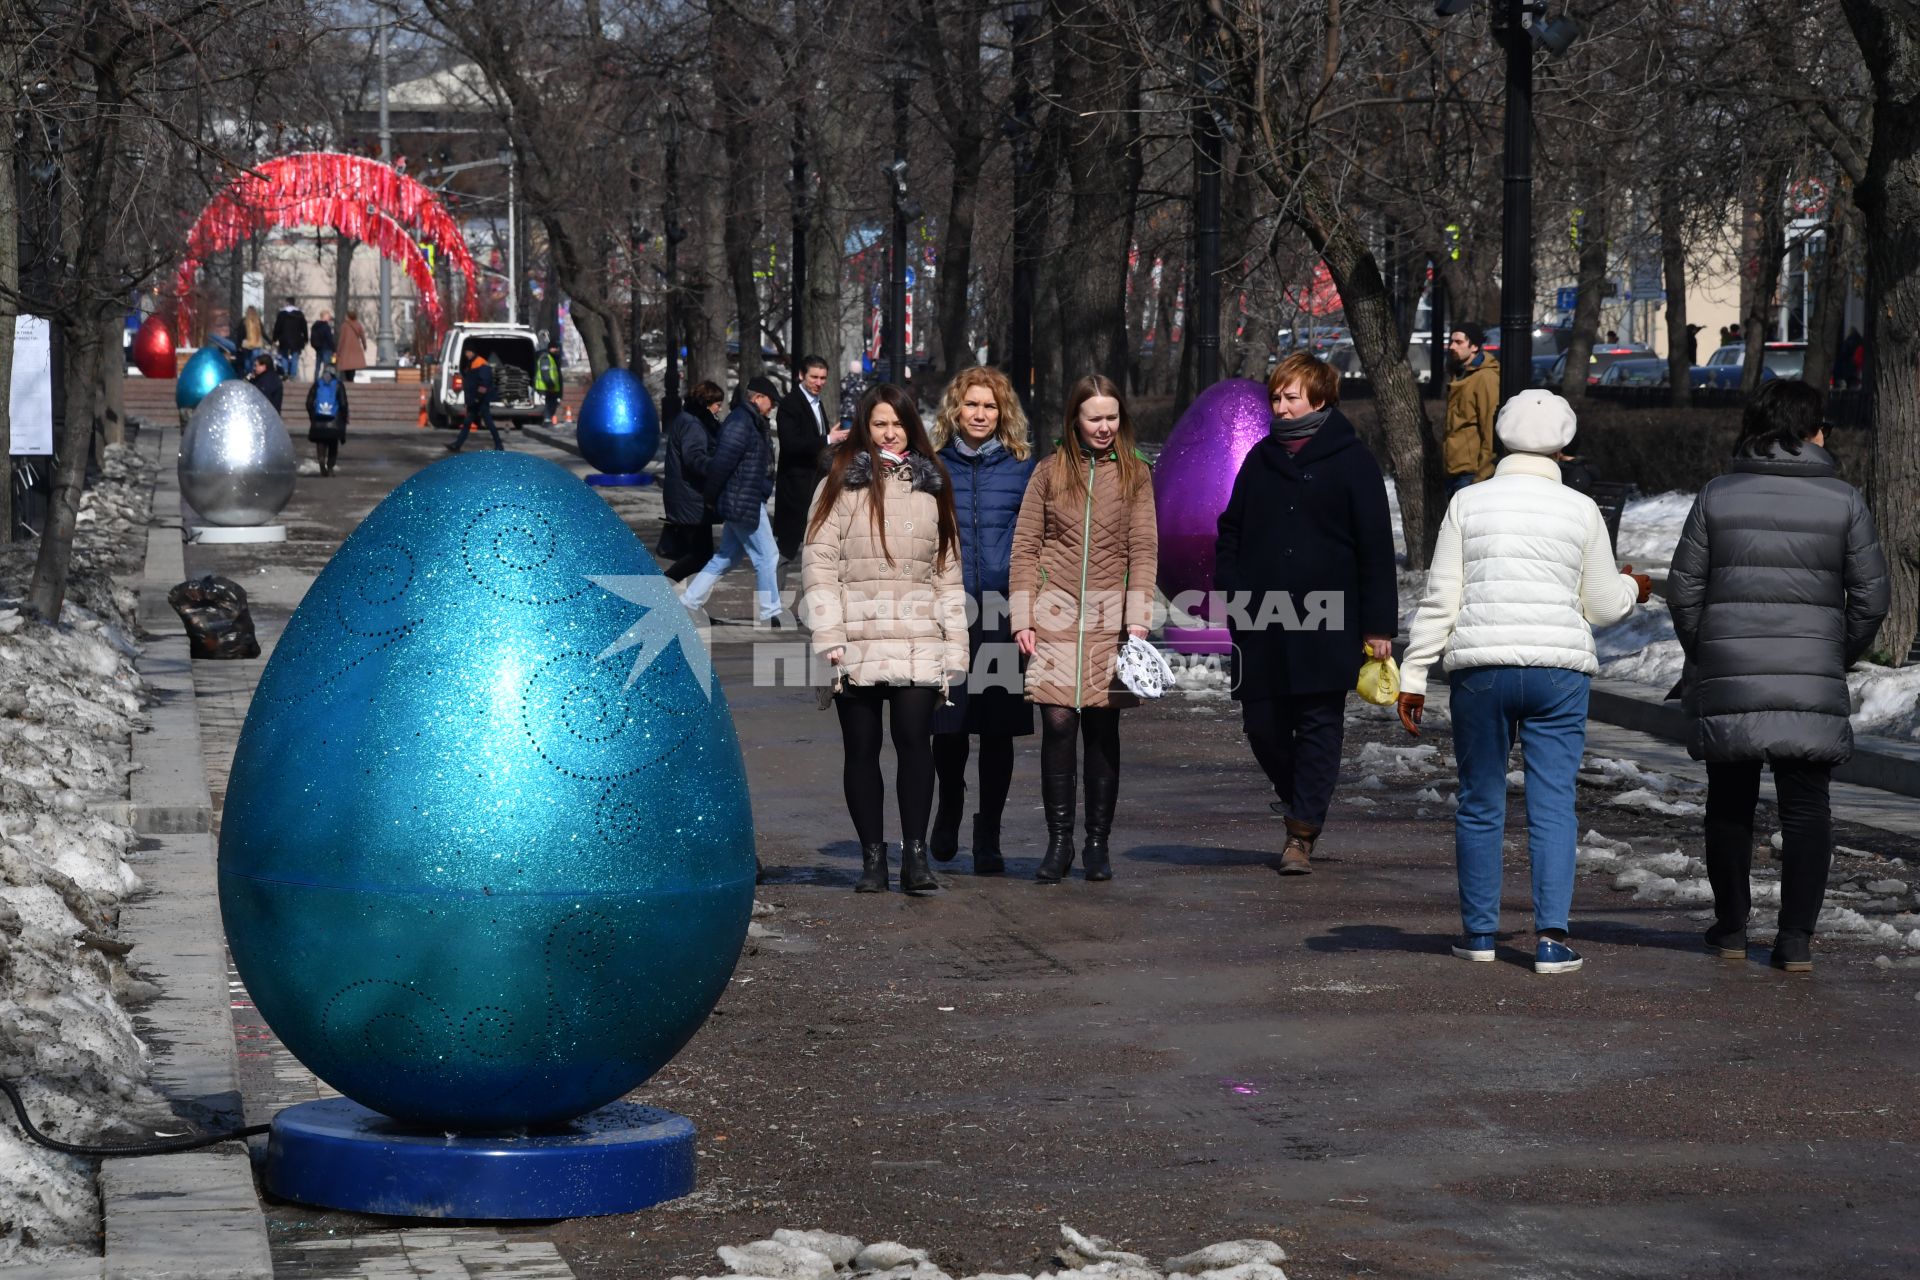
<point>383,331</point>
<point>670,386</point>
<point>1206,250</point>
<point>796,337</point>
<point>896,343</point>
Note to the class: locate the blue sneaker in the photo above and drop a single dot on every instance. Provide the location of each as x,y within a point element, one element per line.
<point>1474,946</point>
<point>1555,957</point>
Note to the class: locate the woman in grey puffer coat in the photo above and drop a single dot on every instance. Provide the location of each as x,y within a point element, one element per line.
<point>1777,587</point>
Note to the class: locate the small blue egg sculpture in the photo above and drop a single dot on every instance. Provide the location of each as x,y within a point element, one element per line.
<point>207,369</point>
<point>619,428</point>
<point>487,857</point>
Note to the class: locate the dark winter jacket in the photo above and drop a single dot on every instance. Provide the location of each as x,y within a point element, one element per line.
<point>1777,587</point>
<point>268,380</point>
<point>290,330</point>
<point>690,440</point>
<point>1297,525</point>
<point>987,489</point>
<point>740,470</point>
<point>321,429</point>
<point>476,384</point>
<point>322,337</point>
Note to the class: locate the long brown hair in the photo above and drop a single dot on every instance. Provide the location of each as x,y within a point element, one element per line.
<point>1070,467</point>
<point>1011,430</point>
<point>860,441</point>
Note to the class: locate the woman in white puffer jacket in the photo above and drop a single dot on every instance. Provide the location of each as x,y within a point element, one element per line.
<point>1521,575</point>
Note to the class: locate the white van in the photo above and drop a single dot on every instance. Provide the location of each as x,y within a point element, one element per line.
<point>510,349</point>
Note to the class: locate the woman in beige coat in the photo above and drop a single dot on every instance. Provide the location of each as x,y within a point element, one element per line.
<point>1084,558</point>
<point>881,592</point>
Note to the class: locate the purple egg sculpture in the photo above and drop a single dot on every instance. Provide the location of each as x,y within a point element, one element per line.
<point>1191,484</point>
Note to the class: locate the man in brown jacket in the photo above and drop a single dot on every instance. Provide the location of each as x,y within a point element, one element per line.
<point>1473,398</point>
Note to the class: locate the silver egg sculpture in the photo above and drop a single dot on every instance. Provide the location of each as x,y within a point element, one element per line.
<point>236,460</point>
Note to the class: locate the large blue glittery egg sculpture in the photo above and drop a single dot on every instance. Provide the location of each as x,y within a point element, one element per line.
<point>619,428</point>
<point>1193,478</point>
<point>487,860</point>
<point>207,369</point>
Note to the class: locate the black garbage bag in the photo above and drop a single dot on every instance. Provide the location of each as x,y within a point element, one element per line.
<point>215,611</point>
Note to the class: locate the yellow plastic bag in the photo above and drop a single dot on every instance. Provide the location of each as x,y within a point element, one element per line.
<point>1379,679</point>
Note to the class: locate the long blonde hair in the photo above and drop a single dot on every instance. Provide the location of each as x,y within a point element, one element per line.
<point>1070,465</point>
<point>1011,430</point>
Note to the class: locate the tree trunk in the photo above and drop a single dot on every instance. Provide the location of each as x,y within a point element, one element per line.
<point>47,594</point>
<point>1673,265</point>
<point>825,318</point>
<point>960,97</point>
<point>707,327</point>
<point>1586,308</point>
<point>9,275</point>
<point>733,45</point>
<point>109,406</point>
<point>1762,270</point>
<point>1829,299</point>
<point>1101,132</point>
<point>343,248</point>
<point>1889,197</point>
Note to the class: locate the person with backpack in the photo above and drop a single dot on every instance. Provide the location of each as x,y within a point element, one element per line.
<point>326,416</point>
<point>549,381</point>
<point>477,387</point>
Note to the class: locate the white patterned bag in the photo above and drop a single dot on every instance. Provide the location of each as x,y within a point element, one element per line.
<point>1143,670</point>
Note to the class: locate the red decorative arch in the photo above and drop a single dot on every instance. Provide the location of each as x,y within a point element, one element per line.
<point>356,196</point>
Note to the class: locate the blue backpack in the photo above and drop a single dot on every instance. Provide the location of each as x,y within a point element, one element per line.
<point>326,399</point>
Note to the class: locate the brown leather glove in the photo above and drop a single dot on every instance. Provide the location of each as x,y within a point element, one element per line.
<point>1412,707</point>
<point>1641,581</point>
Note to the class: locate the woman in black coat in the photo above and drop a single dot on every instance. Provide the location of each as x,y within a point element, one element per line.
<point>326,416</point>
<point>687,536</point>
<point>1777,587</point>
<point>1305,558</point>
<point>981,434</point>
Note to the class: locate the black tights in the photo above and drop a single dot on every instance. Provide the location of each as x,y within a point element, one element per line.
<point>996,771</point>
<point>1100,726</point>
<point>912,718</point>
<point>325,452</point>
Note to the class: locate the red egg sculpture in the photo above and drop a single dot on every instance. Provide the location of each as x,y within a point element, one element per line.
<point>153,348</point>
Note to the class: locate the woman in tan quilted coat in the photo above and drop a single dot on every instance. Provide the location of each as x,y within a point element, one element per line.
<point>881,591</point>
<point>1084,557</point>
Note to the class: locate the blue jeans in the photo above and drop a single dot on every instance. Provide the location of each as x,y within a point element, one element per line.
<point>1547,706</point>
<point>1455,483</point>
<point>755,541</point>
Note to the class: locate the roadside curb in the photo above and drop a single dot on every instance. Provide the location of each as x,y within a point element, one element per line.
<point>1884,764</point>
<point>195,1214</point>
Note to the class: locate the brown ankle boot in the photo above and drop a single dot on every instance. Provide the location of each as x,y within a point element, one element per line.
<point>1295,859</point>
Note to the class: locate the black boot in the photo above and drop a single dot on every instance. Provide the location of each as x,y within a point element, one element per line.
<point>1101,794</point>
<point>873,869</point>
<point>915,876</point>
<point>986,846</point>
<point>944,840</point>
<point>1056,798</point>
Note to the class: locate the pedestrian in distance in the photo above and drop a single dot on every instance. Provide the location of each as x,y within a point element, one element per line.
<point>1777,587</point>
<point>264,375</point>
<point>1083,564</point>
<point>1522,573</point>
<point>322,339</point>
<point>327,417</point>
<point>290,337</point>
<point>853,385</point>
<point>352,355</point>
<point>884,598</point>
<point>1473,397</point>
<point>550,381</point>
<point>686,538</point>
<point>476,385</point>
<point>981,435</point>
<point>253,337</point>
<point>804,433</point>
<point>1306,551</point>
<point>739,482</point>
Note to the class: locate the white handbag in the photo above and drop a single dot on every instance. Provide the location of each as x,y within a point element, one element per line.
<point>1143,670</point>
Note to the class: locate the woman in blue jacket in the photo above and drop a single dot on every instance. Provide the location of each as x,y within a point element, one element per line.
<point>982,438</point>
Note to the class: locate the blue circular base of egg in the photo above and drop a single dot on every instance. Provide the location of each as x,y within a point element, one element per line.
<point>336,1154</point>
<point>606,480</point>
<point>487,854</point>
<point>619,428</point>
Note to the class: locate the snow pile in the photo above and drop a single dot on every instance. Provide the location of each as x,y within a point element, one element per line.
<point>1398,762</point>
<point>1650,528</point>
<point>1641,647</point>
<point>1886,700</point>
<point>824,1255</point>
<point>69,700</point>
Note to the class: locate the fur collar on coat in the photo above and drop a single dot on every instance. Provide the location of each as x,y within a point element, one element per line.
<point>926,473</point>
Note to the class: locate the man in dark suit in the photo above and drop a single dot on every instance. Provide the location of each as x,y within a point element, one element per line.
<point>804,432</point>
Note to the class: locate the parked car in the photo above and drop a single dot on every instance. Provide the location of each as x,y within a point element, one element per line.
<point>1637,371</point>
<point>510,349</point>
<point>1725,366</point>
